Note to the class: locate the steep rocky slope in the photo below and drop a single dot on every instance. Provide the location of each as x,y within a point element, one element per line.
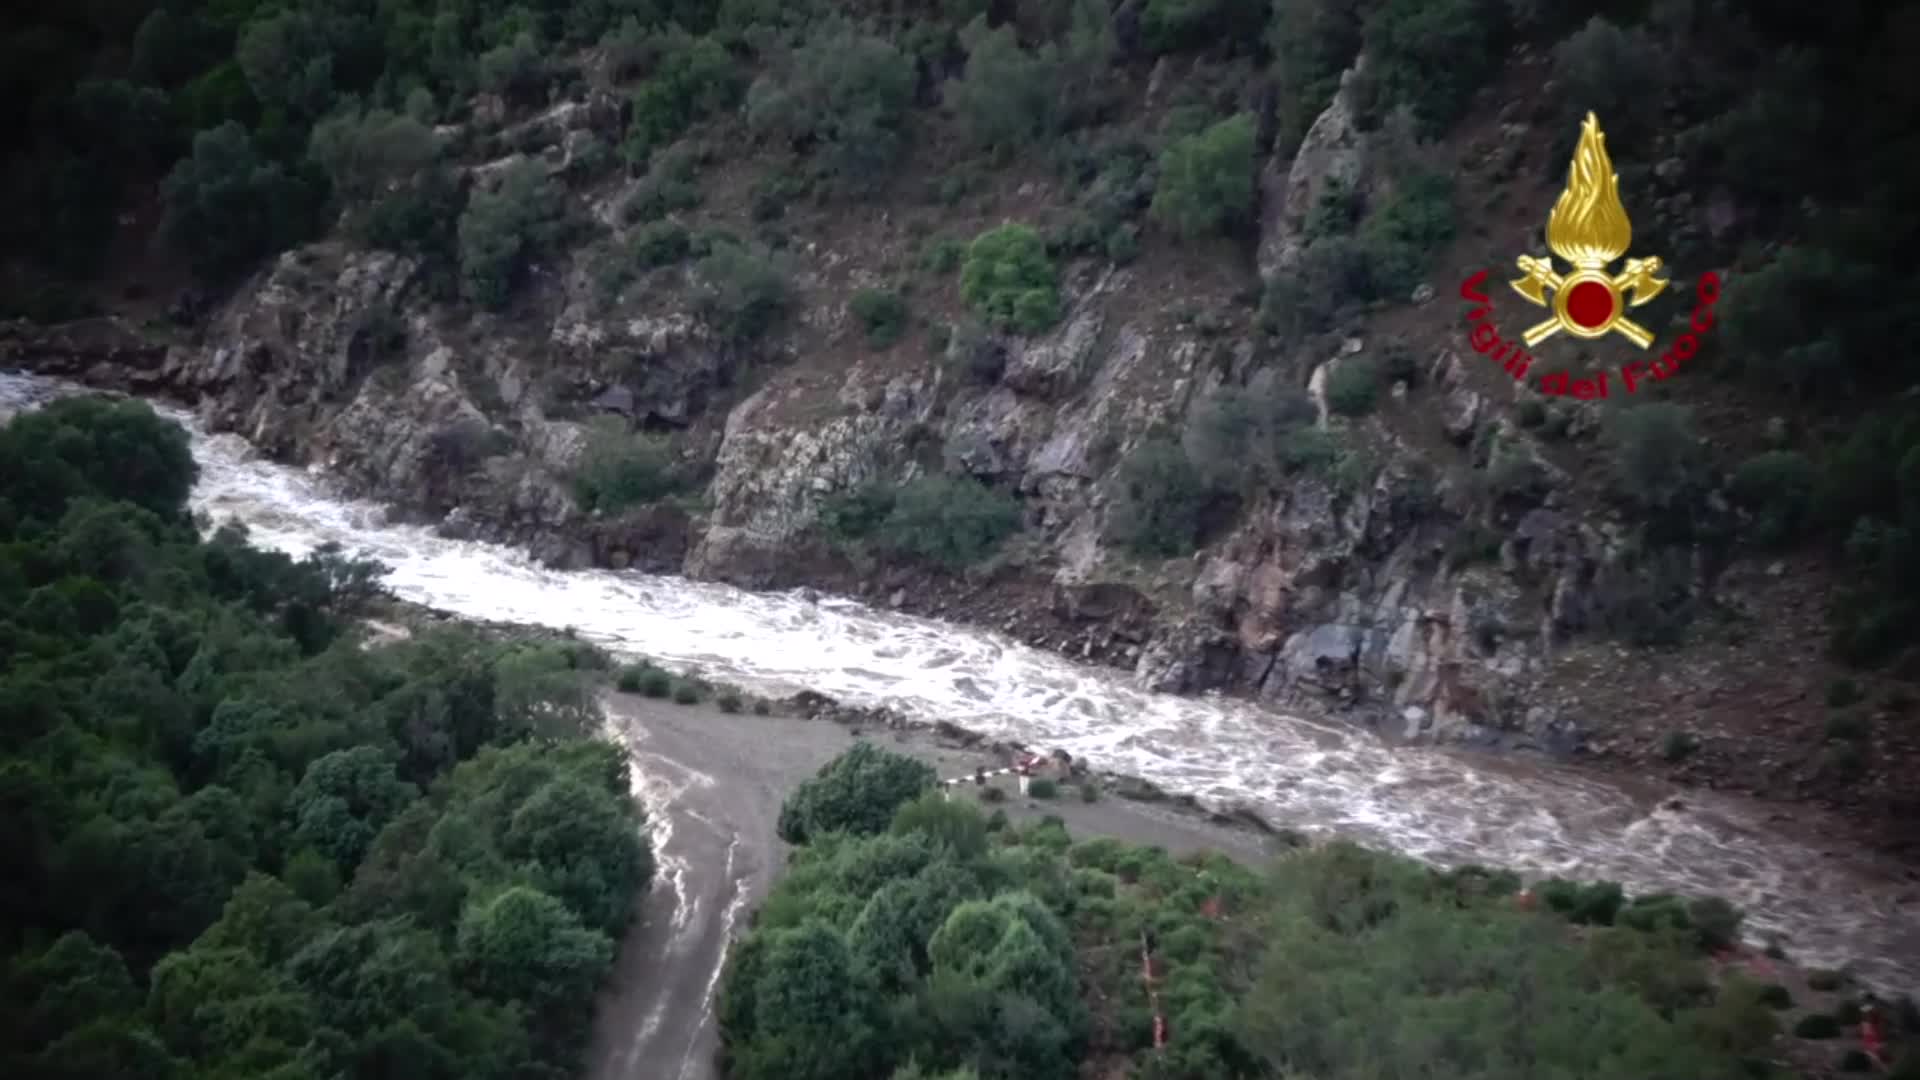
<point>1399,587</point>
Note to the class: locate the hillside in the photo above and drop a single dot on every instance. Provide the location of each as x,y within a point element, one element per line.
<point>1131,329</point>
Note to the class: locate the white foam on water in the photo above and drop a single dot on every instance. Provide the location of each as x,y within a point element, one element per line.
<point>1444,807</point>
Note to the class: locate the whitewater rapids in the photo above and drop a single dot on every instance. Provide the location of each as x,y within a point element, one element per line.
<point>1438,805</point>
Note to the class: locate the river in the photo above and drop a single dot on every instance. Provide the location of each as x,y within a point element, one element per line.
<point>1435,804</point>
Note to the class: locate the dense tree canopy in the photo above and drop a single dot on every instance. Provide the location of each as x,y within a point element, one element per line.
<point>237,843</point>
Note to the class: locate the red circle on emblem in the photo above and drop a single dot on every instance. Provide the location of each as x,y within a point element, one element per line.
<point>1590,304</point>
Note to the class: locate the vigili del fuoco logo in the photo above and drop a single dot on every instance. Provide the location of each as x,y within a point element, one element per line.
<point>1589,230</point>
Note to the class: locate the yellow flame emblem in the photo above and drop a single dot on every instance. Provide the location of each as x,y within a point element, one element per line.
<point>1589,228</point>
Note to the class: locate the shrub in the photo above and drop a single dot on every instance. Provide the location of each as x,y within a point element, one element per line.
<point>1847,1012</point>
<point>1122,245</point>
<point>1353,386</point>
<point>1159,506</point>
<point>943,256</point>
<point>659,243</point>
<point>951,520</point>
<point>762,707</point>
<point>1431,55</point>
<point>1655,912</point>
<point>655,683</point>
<point>1175,25</point>
<point>362,153</point>
<point>1679,745</point>
<point>1206,179</point>
<point>1777,487</point>
<point>858,792</point>
<point>686,693</point>
<point>992,794</point>
<point>1244,439</point>
<point>1716,922</point>
<point>845,95</point>
<point>882,313</point>
<point>618,469</point>
<point>1312,41</point>
<point>1008,278</point>
<point>1399,240</point>
<point>741,293</point>
<point>504,229</point>
<point>1825,979</point>
<point>1331,277</point>
<point>1042,788</point>
<point>857,515</point>
<point>695,78</point>
<point>1007,97</point>
<point>1847,727</point>
<point>1610,71</point>
<point>1658,466</point>
<point>514,70</point>
<point>1816,1026</point>
<point>728,701</point>
<point>1843,692</point>
<point>1775,996</point>
<point>1089,791</point>
<point>630,678</point>
<point>226,206</point>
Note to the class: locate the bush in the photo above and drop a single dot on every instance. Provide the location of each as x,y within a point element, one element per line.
<point>1042,788</point>
<point>1609,71</point>
<point>1008,97</point>
<point>943,256</point>
<point>504,229</point>
<point>1775,996</point>
<point>1847,727</point>
<point>686,693</point>
<point>659,243</point>
<point>1008,278</point>
<point>857,792</point>
<point>618,469</point>
<point>1175,25</point>
<point>1777,487</point>
<point>1312,41</point>
<point>1658,466</point>
<point>1679,745</point>
<point>1242,440</point>
<point>1161,501</point>
<point>1816,1026</point>
<point>762,707</point>
<point>227,206</point>
<point>655,683</point>
<point>514,70</point>
<point>882,313</point>
<point>1353,386</point>
<point>845,96</point>
<point>630,678</point>
<point>1716,923</point>
<point>1825,979</point>
<point>1089,791</point>
<point>1331,277</point>
<point>992,794</point>
<point>954,521</point>
<point>363,153</point>
<point>1206,180</point>
<point>1398,241</point>
<point>728,701</point>
<point>742,294</point>
<point>1431,55</point>
<point>695,79</point>
<point>1843,692</point>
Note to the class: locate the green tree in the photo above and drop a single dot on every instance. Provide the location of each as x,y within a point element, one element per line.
<point>505,228</point>
<point>844,93</point>
<point>1008,97</point>
<point>525,945</point>
<point>365,153</point>
<point>227,206</point>
<point>1206,179</point>
<point>1160,500</point>
<point>742,293</point>
<point>1008,278</point>
<point>857,792</point>
<point>954,521</point>
<point>816,1019</point>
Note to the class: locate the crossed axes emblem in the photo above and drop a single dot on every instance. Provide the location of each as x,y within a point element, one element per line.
<point>1636,279</point>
